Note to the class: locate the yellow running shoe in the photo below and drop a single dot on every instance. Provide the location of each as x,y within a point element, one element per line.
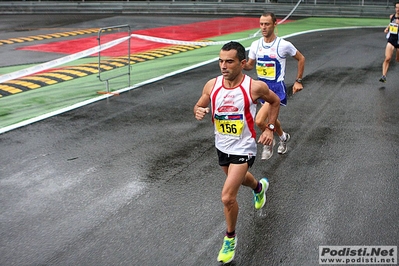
<point>226,254</point>
<point>260,198</point>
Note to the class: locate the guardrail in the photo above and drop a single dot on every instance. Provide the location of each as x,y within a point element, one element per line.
<point>193,8</point>
<point>316,2</point>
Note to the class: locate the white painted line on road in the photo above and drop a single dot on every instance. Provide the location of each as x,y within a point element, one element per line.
<point>81,104</point>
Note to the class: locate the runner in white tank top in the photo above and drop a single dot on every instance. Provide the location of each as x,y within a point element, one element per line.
<point>269,55</point>
<point>233,113</point>
<point>270,63</point>
<point>233,98</point>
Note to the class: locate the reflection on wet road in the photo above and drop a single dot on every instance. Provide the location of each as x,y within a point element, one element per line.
<point>134,180</point>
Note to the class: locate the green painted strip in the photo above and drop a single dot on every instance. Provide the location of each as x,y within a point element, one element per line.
<point>22,106</point>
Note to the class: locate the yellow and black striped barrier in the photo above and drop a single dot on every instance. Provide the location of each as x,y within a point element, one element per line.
<point>48,36</point>
<point>51,77</point>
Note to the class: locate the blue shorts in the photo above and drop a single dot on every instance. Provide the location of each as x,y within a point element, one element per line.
<point>278,88</point>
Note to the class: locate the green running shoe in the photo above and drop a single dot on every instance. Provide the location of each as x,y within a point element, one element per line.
<point>226,254</point>
<point>260,198</point>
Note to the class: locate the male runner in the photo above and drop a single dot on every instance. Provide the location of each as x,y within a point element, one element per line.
<point>233,98</point>
<point>269,54</point>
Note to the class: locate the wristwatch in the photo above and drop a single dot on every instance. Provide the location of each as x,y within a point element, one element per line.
<point>299,80</point>
<point>271,127</point>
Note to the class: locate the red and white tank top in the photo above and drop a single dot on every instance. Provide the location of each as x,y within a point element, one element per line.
<point>233,113</point>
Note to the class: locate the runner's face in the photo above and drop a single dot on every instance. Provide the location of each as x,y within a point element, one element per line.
<point>397,8</point>
<point>229,64</point>
<point>267,26</point>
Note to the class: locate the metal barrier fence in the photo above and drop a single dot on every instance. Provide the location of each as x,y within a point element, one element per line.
<point>106,78</point>
<point>315,2</point>
<point>307,8</point>
<point>343,2</point>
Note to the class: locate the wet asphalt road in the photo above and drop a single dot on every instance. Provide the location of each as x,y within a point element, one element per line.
<point>134,180</point>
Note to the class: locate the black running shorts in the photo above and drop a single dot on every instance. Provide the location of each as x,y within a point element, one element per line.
<point>227,159</point>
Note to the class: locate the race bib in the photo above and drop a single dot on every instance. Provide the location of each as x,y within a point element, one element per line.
<point>229,124</point>
<point>266,69</point>
<point>393,28</point>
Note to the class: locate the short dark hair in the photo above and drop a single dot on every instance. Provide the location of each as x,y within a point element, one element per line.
<point>235,46</point>
<point>271,14</point>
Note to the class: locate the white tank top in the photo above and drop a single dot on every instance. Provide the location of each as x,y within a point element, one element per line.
<point>233,113</point>
<point>271,58</point>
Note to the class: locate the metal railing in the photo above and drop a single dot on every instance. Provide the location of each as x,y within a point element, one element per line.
<point>101,76</point>
<point>307,8</point>
<point>315,2</point>
<point>343,2</point>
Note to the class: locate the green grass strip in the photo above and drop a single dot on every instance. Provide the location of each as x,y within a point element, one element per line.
<point>26,105</point>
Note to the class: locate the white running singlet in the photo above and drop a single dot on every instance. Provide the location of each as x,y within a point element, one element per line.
<point>270,58</point>
<point>233,113</point>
